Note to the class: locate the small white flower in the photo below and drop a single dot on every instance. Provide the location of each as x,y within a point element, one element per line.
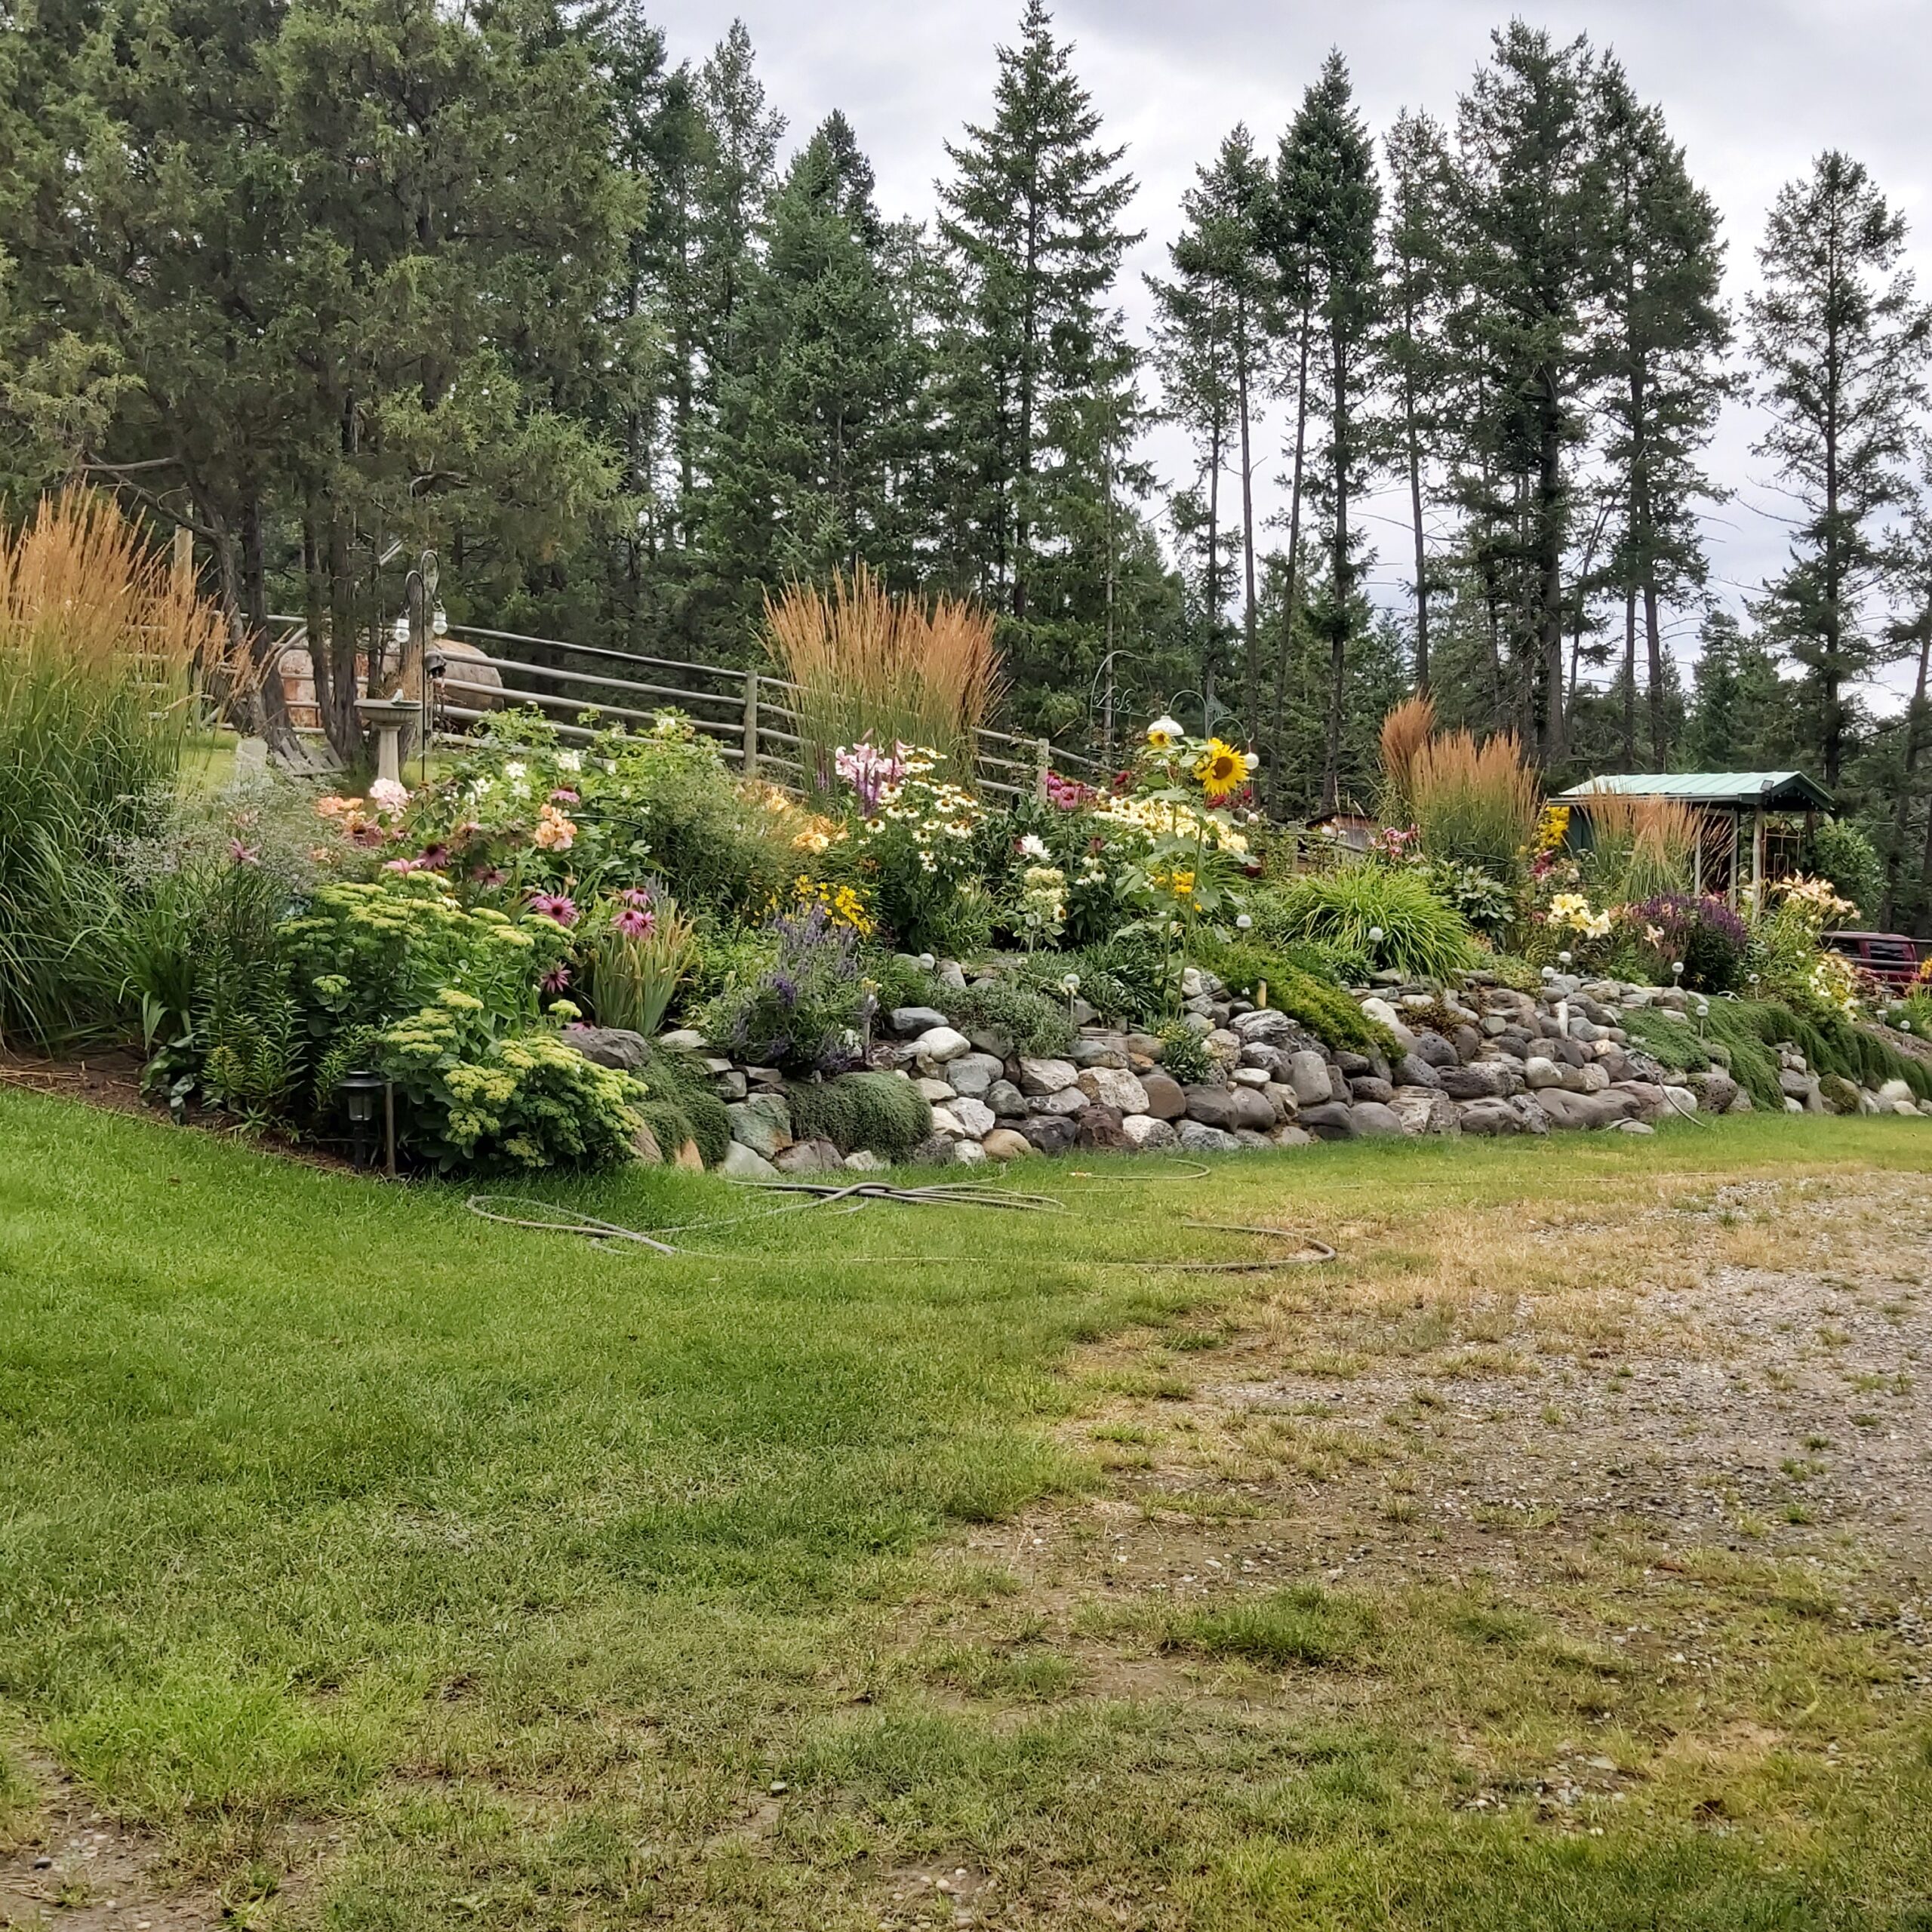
<point>515,768</point>
<point>1243,922</point>
<point>570,761</point>
<point>1033,846</point>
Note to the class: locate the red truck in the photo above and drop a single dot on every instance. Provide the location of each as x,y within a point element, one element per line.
<point>1890,958</point>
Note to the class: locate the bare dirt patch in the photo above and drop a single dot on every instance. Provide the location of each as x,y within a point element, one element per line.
<point>79,1870</point>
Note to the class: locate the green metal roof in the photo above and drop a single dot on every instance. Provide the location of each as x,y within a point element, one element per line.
<point>1773,791</point>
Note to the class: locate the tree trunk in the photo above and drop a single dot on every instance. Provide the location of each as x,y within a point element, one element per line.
<point>1549,536</point>
<point>268,700</point>
<point>1630,677</point>
<point>1914,732</point>
<point>1251,635</point>
<point>1291,602</point>
<point>1340,578</point>
<point>1415,514</point>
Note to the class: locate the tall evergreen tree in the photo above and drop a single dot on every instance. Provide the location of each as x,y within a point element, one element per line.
<point>1526,190</point>
<point>1211,338</point>
<point>1740,717</point>
<point>1418,244</point>
<point>819,413</point>
<point>1840,340</point>
<point>1662,334</point>
<point>1032,217</point>
<point>1331,200</point>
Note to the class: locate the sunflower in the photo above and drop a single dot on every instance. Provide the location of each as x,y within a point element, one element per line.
<point>1221,769</point>
<point>1162,733</point>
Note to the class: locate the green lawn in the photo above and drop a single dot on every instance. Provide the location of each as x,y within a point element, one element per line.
<point>401,1571</point>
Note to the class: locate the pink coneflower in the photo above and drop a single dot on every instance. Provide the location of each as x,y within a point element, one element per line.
<point>635,921</point>
<point>554,905</point>
<point>369,835</point>
<point>243,855</point>
<point>557,979</point>
<point>563,795</point>
<point>489,876</point>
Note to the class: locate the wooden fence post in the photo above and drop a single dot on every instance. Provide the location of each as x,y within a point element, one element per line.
<point>1043,765</point>
<point>751,724</point>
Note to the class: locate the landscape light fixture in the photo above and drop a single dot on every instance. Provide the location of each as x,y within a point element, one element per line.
<point>360,1090</point>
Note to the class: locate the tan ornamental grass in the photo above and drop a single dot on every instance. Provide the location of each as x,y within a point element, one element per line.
<point>1476,804</point>
<point>102,652</point>
<point>1640,847</point>
<point>1404,732</point>
<point>865,661</point>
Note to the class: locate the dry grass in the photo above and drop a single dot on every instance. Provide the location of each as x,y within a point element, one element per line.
<point>1476,805</point>
<point>1404,732</point>
<point>865,662</point>
<point>1643,846</point>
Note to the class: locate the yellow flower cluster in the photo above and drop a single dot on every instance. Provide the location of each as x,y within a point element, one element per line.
<point>1571,909</point>
<point>1816,899</point>
<point>1552,828</point>
<point>1158,818</point>
<point>842,902</point>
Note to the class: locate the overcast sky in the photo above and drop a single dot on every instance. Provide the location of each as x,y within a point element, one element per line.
<point>1753,88</point>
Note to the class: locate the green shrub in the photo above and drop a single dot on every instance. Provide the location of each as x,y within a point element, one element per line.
<point>472,1098</point>
<point>880,1112</point>
<point>1245,965</point>
<point>1421,936</point>
<point>670,1126</point>
<point>680,1082</point>
<point>1842,852</point>
<point>1036,1024</point>
<point>1184,1054</point>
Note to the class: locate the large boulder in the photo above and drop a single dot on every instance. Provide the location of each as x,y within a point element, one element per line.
<point>1415,1071</point>
<point>1328,1120</point>
<point>1371,1118</point>
<point>1148,1134</point>
<point>975,1118</point>
<point>1003,1144</point>
<point>1425,1110</point>
<point>909,1022</point>
<point>1050,1134</point>
<point>1110,1087</point>
<point>1212,1106</point>
<point>1102,1128</point>
<point>1435,1050</point>
<point>615,1047</point>
<point>1369,1087</point>
<point>763,1124</point>
<point>1577,1113</point>
<point>974,1074</point>
<point>1197,1137</point>
<point>1378,1009</point>
<point>1267,1024</point>
<point>1541,1073</point>
<point>1166,1098</point>
<point>740,1164</point>
<point>1490,1117</point>
<point>1006,1100</point>
<point>939,1045</point>
<point>1069,1101</point>
<point>1308,1075</point>
<point>1481,1080</point>
<point>1046,1076</point>
<point>810,1157</point>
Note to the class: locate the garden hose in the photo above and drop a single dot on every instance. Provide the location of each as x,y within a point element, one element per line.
<point>547,1217</point>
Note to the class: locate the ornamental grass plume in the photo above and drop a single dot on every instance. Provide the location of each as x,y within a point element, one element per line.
<point>1640,848</point>
<point>1475,805</point>
<point>1405,731</point>
<point>867,665</point>
<point>102,652</point>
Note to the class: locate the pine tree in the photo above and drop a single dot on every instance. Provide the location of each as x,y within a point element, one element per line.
<point>1416,245</point>
<point>1526,193</point>
<point>1211,331</point>
<point>1740,716</point>
<point>1840,340</point>
<point>1331,200</point>
<point>819,416</point>
<point>1032,218</point>
<point>1661,335</point>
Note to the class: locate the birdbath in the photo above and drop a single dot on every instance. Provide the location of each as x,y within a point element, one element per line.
<point>387,716</point>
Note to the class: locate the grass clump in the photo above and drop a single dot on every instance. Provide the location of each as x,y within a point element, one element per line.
<point>1421,936</point>
<point>866,663</point>
<point>1475,805</point>
<point>878,1112</point>
<point>101,651</point>
<point>1035,1024</point>
<point>1304,1625</point>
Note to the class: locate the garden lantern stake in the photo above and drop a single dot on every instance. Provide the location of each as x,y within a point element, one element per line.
<point>358,1090</point>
